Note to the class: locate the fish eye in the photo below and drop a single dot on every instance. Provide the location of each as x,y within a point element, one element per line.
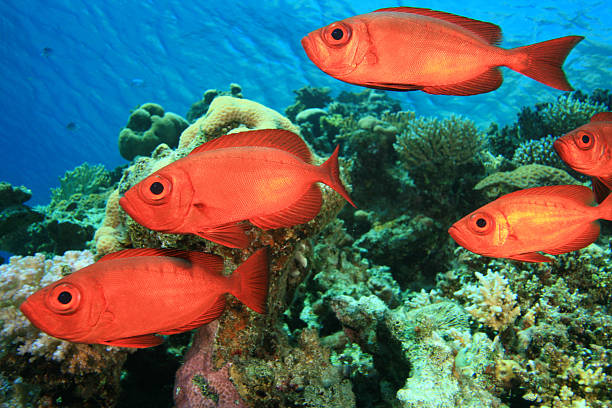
<point>64,298</point>
<point>155,189</point>
<point>337,34</point>
<point>583,140</point>
<point>481,223</point>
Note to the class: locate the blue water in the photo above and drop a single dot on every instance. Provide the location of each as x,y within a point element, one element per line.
<point>72,70</point>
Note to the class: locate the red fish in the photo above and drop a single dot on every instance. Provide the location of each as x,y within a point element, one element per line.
<point>127,297</point>
<point>407,48</point>
<point>588,150</point>
<point>264,176</point>
<point>554,220</point>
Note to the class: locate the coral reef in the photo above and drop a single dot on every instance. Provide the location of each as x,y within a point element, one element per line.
<point>545,119</point>
<point>308,97</point>
<point>200,107</point>
<point>77,374</point>
<point>15,217</point>
<point>148,127</point>
<point>531,175</point>
<point>226,114</point>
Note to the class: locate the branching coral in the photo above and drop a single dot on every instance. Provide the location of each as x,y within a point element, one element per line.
<point>438,146</point>
<point>23,343</point>
<point>84,179</point>
<point>491,302</point>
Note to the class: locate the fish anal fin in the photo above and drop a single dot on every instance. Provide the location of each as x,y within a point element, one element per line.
<point>530,257</point>
<point>230,235</point>
<point>602,117</point>
<point>275,138</point>
<point>483,83</point>
<point>144,341</point>
<point>303,210</point>
<point>584,238</point>
<point>489,32</point>
<point>392,86</point>
<point>208,316</point>
<point>600,189</point>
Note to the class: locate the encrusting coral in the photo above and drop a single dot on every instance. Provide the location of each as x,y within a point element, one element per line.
<point>530,175</point>
<point>85,373</point>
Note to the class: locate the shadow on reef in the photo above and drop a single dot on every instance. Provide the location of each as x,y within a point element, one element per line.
<point>371,307</point>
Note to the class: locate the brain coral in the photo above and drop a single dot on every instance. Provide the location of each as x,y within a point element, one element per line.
<point>531,175</point>
<point>228,113</point>
<point>147,127</point>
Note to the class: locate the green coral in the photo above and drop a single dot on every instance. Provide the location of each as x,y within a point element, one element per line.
<point>148,127</point>
<point>84,179</point>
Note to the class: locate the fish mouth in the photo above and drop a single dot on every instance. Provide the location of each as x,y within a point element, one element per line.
<point>456,235</point>
<point>28,310</point>
<point>559,146</point>
<point>126,205</point>
<point>309,47</point>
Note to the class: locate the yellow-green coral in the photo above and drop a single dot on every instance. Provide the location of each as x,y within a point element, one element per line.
<point>531,175</point>
<point>227,113</point>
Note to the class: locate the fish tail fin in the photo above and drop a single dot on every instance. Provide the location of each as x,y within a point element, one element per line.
<point>545,59</point>
<point>250,281</point>
<point>332,170</point>
<point>605,208</point>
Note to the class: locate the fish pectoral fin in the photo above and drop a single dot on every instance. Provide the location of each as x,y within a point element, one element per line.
<point>582,238</point>
<point>387,86</point>
<point>211,314</point>
<point>230,235</point>
<point>483,83</point>
<point>147,340</point>
<point>531,257</point>
<point>300,212</point>
<point>600,188</point>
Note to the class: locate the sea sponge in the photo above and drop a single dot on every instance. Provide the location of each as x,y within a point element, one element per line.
<point>147,127</point>
<point>228,113</point>
<point>531,175</point>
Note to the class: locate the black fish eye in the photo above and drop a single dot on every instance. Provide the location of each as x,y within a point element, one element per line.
<point>157,188</point>
<point>481,223</point>
<point>64,298</point>
<point>337,34</point>
<point>585,139</point>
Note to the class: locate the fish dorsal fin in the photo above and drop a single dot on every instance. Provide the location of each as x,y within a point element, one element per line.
<point>487,31</point>
<point>583,238</point>
<point>600,189</point>
<point>210,262</point>
<point>486,82</point>
<point>208,316</point>
<point>602,117</point>
<point>146,340</point>
<point>276,138</point>
<point>574,192</point>
<point>300,212</point>
<point>131,253</point>
<point>530,257</point>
